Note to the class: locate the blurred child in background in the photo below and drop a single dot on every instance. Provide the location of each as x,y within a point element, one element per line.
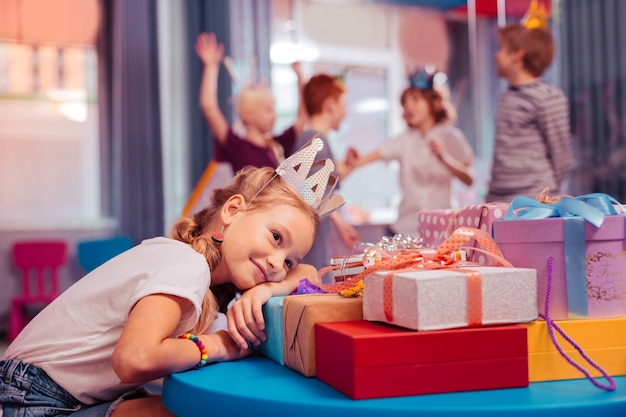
<point>257,146</point>
<point>324,98</point>
<point>431,152</point>
<point>532,147</point>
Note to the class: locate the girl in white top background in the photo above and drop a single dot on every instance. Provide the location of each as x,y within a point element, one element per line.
<point>431,152</point>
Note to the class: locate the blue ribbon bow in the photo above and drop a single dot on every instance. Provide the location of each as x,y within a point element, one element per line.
<point>575,211</point>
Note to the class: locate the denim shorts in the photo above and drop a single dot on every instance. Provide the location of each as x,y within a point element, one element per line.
<point>27,391</point>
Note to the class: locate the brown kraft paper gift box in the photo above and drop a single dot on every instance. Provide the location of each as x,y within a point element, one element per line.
<point>301,312</point>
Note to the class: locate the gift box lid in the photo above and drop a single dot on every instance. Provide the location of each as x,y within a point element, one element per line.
<point>369,344</point>
<point>588,334</point>
<point>551,230</point>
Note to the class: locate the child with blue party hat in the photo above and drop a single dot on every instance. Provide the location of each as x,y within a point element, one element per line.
<point>431,152</point>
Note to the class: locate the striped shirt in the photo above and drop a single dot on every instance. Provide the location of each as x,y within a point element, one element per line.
<point>532,147</point>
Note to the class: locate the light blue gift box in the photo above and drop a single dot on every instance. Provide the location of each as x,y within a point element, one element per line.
<point>274,346</point>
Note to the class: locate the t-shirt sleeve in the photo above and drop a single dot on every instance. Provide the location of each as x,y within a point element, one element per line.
<point>188,278</point>
<point>287,140</point>
<point>224,152</point>
<point>393,148</point>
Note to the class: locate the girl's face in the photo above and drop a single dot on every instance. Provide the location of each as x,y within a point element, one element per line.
<point>262,245</point>
<point>416,111</point>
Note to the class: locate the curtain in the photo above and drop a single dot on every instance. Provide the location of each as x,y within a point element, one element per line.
<point>593,75</point>
<point>205,16</point>
<point>243,26</point>
<point>129,117</point>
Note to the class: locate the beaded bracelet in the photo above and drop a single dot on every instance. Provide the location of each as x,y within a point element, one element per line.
<point>203,353</point>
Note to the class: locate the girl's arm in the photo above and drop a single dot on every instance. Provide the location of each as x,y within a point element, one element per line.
<point>146,349</point>
<point>302,117</point>
<point>354,160</point>
<point>245,317</point>
<point>460,170</point>
<point>211,53</point>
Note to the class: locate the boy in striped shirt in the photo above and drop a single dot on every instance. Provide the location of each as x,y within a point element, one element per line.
<point>532,148</point>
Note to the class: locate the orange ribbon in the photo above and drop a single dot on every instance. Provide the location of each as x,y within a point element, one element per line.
<point>474,294</point>
<point>414,259</point>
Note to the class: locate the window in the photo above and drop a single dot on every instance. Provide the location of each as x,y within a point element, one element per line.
<point>49,156</point>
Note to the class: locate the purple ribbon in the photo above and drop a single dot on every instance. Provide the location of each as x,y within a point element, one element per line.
<point>552,326</point>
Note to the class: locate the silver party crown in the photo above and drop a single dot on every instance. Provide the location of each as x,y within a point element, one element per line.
<point>317,189</point>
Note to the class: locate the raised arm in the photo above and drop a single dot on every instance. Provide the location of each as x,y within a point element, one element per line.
<point>302,116</point>
<point>211,53</point>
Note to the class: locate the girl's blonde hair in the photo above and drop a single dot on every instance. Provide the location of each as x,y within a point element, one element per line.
<point>261,188</point>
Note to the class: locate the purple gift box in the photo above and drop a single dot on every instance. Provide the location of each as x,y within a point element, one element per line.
<point>588,275</point>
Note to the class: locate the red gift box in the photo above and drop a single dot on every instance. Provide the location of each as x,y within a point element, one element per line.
<point>373,360</point>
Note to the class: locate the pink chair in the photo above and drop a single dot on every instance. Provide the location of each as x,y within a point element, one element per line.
<point>39,263</point>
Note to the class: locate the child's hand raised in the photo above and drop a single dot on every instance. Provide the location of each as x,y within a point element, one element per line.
<point>297,68</point>
<point>245,316</point>
<point>208,49</point>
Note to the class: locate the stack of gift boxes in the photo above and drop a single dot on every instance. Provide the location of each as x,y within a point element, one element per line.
<point>471,325</point>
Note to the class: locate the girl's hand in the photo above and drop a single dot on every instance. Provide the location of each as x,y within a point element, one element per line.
<point>460,170</point>
<point>245,317</point>
<point>437,147</point>
<point>224,347</point>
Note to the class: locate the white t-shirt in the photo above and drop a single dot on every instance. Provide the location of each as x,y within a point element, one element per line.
<point>73,338</point>
<point>425,181</point>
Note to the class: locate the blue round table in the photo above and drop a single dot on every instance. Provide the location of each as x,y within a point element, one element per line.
<point>258,386</point>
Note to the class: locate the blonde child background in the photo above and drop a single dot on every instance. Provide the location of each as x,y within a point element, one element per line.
<point>257,146</point>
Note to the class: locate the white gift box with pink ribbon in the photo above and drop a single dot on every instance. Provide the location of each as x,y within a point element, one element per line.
<point>448,298</point>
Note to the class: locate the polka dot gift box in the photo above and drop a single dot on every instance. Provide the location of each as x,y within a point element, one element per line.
<point>435,226</point>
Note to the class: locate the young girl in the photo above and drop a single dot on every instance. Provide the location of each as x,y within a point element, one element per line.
<point>431,153</point>
<point>145,313</point>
